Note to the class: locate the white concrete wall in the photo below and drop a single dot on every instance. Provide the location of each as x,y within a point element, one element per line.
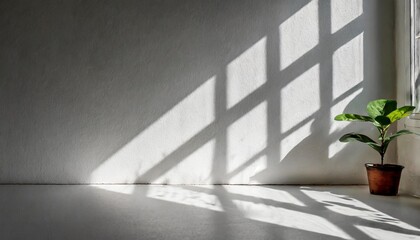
<point>408,156</point>
<point>189,91</point>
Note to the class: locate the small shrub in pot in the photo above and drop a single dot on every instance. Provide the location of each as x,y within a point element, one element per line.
<point>382,113</point>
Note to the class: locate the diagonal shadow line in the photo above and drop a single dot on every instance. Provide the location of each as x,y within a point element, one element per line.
<point>358,220</point>
<point>312,57</point>
<point>317,208</point>
<point>208,133</point>
<point>247,163</point>
<point>178,155</point>
<point>277,140</point>
<point>353,28</point>
<point>367,222</point>
<point>219,168</point>
<point>228,196</point>
<point>348,206</point>
<point>201,138</point>
<point>233,114</point>
<point>338,39</point>
<point>227,204</point>
<point>197,140</point>
<point>333,136</point>
<point>302,64</point>
<point>295,7</point>
<point>293,129</point>
<point>254,199</point>
<point>259,95</point>
<point>347,93</point>
<point>233,212</point>
<point>298,67</point>
<point>388,227</point>
<point>254,98</point>
<point>273,99</point>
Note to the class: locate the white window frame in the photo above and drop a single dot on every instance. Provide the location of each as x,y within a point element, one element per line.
<point>413,100</point>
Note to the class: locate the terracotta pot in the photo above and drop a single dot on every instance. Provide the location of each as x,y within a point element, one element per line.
<point>384,179</point>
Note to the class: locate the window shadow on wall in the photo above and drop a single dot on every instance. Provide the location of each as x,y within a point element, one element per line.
<point>270,120</point>
<point>273,106</point>
<point>192,92</point>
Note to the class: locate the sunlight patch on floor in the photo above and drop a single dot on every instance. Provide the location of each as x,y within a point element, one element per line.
<point>289,218</point>
<point>264,193</point>
<point>117,188</point>
<point>185,197</point>
<point>381,234</point>
<point>348,206</point>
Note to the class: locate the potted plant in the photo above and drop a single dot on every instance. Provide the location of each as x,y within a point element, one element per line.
<point>383,178</point>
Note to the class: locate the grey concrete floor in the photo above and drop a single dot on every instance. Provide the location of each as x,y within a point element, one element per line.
<point>204,212</point>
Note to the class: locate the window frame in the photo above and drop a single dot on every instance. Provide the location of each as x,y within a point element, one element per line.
<point>413,62</point>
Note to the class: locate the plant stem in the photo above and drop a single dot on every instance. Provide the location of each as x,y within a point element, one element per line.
<point>383,133</point>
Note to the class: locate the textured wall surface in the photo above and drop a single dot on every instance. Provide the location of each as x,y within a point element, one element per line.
<point>189,91</point>
<point>408,156</point>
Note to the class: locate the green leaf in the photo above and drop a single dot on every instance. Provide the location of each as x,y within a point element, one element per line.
<point>352,117</point>
<point>400,113</point>
<point>381,107</point>
<point>399,133</point>
<point>350,137</point>
<point>393,136</point>
<point>383,121</point>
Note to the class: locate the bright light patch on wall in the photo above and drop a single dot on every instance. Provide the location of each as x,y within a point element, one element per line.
<point>334,148</point>
<point>348,206</point>
<point>381,234</point>
<point>300,99</point>
<point>246,73</point>
<point>343,12</point>
<point>339,108</point>
<point>186,197</point>
<point>409,156</point>
<point>265,193</point>
<point>348,66</point>
<point>246,137</point>
<point>294,138</point>
<point>161,138</point>
<point>299,34</point>
<point>289,218</point>
<point>336,126</point>
<point>194,169</point>
<point>249,170</point>
<point>117,188</point>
